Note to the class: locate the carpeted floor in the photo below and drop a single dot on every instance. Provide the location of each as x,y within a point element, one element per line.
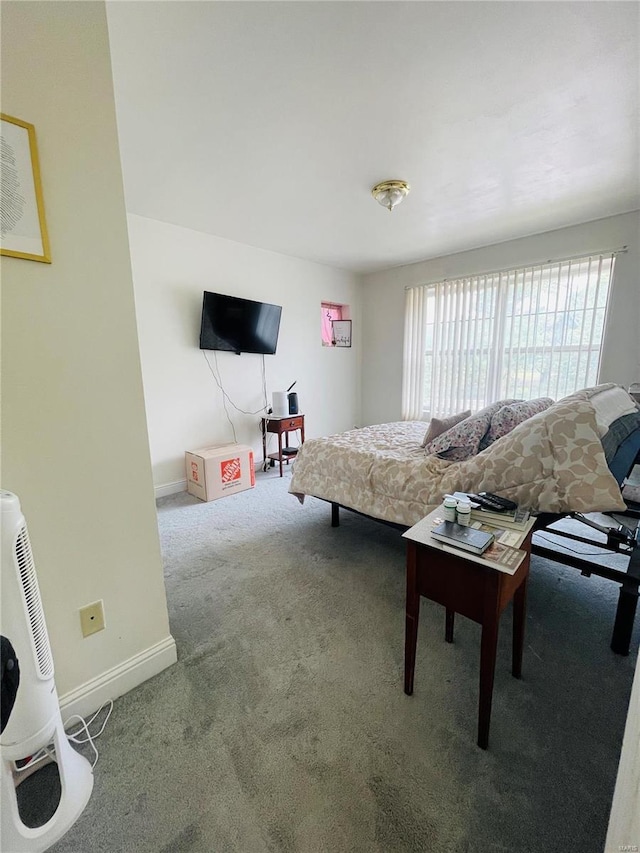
<point>284,726</point>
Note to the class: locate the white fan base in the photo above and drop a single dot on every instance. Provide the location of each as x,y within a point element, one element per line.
<point>76,784</point>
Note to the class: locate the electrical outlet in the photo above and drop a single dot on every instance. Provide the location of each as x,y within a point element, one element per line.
<point>92,618</point>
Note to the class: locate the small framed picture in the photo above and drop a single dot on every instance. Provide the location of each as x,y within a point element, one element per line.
<point>24,230</point>
<point>341,333</point>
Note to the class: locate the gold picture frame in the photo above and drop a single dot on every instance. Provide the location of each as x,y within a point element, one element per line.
<point>23,229</point>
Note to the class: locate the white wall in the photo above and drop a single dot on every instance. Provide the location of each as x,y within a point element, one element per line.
<point>172,266</point>
<point>383,303</point>
<point>623,832</point>
<point>74,439</point>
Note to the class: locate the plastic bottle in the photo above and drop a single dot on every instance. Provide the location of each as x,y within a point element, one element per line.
<point>463,512</point>
<point>449,507</point>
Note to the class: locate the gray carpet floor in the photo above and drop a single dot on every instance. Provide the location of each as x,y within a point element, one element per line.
<point>284,725</point>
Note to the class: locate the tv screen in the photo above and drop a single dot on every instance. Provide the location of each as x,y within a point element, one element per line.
<point>239,325</point>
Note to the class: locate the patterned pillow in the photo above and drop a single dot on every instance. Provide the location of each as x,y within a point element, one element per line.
<point>508,417</point>
<point>463,439</point>
<point>438,426</point>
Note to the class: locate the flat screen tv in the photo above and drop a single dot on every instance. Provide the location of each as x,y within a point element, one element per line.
<point>239,325</point>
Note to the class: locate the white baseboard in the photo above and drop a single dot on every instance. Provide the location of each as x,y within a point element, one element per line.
<point>181,485</point>
<point>87,698</point>
<point>170,489</point>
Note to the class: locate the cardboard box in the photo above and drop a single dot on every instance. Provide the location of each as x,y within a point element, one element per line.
<point>221,470</point>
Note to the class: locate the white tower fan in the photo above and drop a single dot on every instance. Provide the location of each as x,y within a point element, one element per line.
<point>35,721</point>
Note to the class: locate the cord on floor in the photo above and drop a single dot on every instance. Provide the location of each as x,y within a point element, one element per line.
<point>47,753</point>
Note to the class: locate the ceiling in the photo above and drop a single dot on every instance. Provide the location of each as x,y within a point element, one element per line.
<point>268,123</point>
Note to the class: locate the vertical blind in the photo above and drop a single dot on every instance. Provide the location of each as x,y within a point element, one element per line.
<point>521,333</point>
<point>415,333</point>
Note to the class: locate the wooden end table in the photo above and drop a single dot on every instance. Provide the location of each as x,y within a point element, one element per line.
<point>476,591</point>
<point>281,426</point>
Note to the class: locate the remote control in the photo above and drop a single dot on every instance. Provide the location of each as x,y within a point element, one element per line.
<point>492,502</point>
<point>505,502</point>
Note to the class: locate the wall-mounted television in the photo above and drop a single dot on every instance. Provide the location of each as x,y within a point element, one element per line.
<point>239,325</point>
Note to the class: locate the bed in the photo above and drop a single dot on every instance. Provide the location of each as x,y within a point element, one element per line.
<point>560,461</point>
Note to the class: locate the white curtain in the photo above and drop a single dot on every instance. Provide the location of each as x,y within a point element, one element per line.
<point>521,333</point>
<point>415,327</point>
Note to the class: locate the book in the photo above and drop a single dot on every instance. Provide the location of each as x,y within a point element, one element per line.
<point>501,519</point>
<point>498,556</point>
<point>517,518</point>
<point>504,558</point>
<point>461,536</point>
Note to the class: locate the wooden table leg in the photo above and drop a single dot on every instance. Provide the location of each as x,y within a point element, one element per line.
<point>280,452</point>
<point>411,641</point>
<point>448,628</point>
<point>264,445</point>
<point>487,672</point>
<point>488,649</point>
<point>411,621</point>
<point>519,610</point>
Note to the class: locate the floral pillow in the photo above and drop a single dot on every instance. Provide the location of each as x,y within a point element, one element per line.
<point>437,426</point>
<point>463,439</point>
<point>508,417</point>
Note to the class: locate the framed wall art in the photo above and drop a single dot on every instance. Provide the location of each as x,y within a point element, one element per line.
<point>341,333</point>
<point>23,230</point>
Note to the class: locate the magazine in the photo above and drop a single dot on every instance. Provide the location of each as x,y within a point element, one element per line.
<point>497,556</point>
<point>506,536</point>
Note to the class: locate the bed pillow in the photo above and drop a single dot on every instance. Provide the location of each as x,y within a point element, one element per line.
<point>508,417</point>
<point>610,402</point>
<point>610,405</point>
<point>437,426</point>
<point>463,439</point>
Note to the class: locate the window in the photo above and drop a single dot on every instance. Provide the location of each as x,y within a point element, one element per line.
<point>523,333</point>
<point>330,311</point>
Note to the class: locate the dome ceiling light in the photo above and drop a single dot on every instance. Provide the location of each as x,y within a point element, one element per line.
<point>390,193</point>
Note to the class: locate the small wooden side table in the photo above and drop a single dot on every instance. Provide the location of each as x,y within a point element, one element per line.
<point>474,590</point>
<point>281,426</point>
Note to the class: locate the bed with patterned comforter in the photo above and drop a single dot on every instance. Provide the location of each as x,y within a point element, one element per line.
<point>553,462</point>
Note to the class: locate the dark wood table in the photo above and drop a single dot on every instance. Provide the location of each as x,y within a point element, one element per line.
<point>475,591</point>
<point>281,426</point>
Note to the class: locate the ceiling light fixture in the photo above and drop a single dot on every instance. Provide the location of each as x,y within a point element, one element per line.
<point>390,193</point>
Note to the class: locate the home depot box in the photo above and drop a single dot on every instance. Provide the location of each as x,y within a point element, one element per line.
<point>220,470</point>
